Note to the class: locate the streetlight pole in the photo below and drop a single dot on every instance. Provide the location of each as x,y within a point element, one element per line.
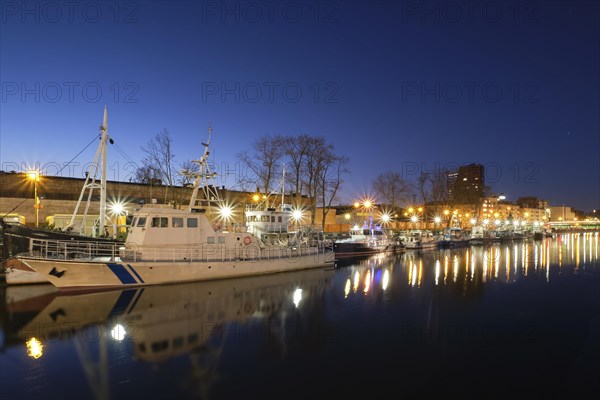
<point>35,177</point>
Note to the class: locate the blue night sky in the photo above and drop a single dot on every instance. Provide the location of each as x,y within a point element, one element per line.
<point>400,86</point>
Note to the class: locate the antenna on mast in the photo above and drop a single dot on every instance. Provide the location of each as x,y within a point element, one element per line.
<point>203,178</point>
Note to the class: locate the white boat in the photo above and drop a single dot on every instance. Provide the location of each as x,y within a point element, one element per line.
<point>476,236</point>
<point>171,245</point>
<point>421,240</point>
<point>366,240</point>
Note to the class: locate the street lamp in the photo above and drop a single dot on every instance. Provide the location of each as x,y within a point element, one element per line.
<point>35,177</point>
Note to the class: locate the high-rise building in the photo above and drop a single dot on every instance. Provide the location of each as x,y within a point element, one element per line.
<point>466,185</point>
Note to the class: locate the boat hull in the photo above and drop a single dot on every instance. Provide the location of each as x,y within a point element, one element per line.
<point>73,275</point>
<point>19,273</point>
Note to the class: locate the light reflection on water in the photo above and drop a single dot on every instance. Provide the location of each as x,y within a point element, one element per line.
<point>219,339</point>
<point>492,263</point>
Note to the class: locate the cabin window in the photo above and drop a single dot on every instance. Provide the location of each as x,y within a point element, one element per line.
<point>192,222</point>
<point>221,239</point>
<point>160,346</point>
<point>141,222</point>
<point>210,240</point>
<point>279,219</point>
<point>177,222</point>
<point>178,342</point>
<point>192,338</point>
<point>133,221</point>
<point>160,222</point>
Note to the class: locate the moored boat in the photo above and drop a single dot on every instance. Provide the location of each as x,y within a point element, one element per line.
<point>365,240</point>
<point>170,246</point>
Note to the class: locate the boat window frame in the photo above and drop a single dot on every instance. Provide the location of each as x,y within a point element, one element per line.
<point>177,222</point>
<point>159,222</point>
<point>194,224</point>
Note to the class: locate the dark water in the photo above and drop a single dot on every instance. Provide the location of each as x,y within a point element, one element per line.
<point>483,322</point>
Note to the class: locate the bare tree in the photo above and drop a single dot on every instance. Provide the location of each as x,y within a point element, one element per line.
<point>160,159</point>
<point>296,149</point>
<point>264,162</point>
<point>314,162</point>
<point>392,189</point>
<point>422,182</point>
<point>330,180</point>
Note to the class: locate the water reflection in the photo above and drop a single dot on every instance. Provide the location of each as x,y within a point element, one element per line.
<point>157,324</point>
<point>196,339</point>
<point>475,265</point>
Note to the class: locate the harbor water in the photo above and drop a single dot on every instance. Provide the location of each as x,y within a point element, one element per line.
<point>491,321</point>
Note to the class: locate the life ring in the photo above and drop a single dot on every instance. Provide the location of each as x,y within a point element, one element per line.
<point>247,240</point>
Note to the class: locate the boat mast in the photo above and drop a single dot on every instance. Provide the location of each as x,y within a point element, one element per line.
<point>99,162</point>
<point>204,178</point>
<point>283,187</point>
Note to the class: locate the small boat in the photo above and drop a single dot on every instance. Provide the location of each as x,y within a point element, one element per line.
<point>421,240</point>
<point>476,236</point>
<point>171,246</point>
<point>451,237</point>
<point>365,240</point>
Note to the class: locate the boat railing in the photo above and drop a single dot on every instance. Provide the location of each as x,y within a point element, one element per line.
<point>73,250</point>
<point>113,252</point>
<point>221,252</point>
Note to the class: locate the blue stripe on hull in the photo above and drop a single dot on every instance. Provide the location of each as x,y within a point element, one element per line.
<point>121,273</point>
<point>136,274</point>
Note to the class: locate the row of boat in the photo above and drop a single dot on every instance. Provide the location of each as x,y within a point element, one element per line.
<point>372,239</point>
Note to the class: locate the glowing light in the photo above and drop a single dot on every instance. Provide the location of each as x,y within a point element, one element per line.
<point>385,218</point>
<point>297,296</point>
<point>117,208</point>
<point>368,203</point>
<point>225,212</point>
<point>446,212</point>
<point>255,198</point>
<point>437,220</point>
<point>35,348</point>
<point>486,221</point>
<point>297,215</point>
<point>347,216</point>
<point>33,175</point>
<point>472,221</point>
<point>118,332</point>
<point>356,204</point>
<point>497,222</point>
<point>414,218</point>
